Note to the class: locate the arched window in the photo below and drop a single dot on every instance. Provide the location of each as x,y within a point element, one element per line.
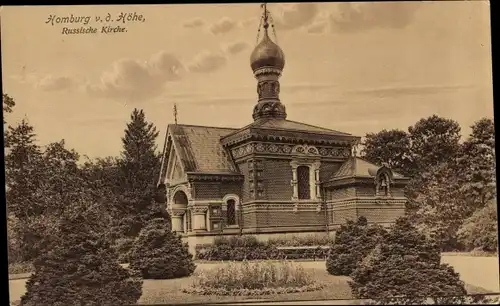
<point>231,212</point>
<point>303,182</point>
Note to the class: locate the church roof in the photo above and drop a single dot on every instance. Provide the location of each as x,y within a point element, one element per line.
<point>358,167</point>
<point>289,125</point>
<point>294,125</point>
<point>200,150</point>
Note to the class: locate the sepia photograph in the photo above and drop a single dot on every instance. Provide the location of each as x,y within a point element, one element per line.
<point>329,153</point>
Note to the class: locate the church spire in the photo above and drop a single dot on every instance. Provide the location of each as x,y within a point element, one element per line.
<point>267,61</point>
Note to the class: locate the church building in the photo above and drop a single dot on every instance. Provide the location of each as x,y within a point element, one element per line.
<point>273,176</point>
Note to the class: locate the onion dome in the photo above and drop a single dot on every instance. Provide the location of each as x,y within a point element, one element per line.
<point>267,53</point>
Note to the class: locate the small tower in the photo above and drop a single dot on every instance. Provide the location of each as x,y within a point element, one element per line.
<point>267,61</point>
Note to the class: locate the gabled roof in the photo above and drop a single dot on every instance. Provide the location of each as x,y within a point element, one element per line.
<point>358,167</point>
<point>199,148</point>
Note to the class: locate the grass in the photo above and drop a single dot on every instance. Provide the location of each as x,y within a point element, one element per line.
<point>170,291</point>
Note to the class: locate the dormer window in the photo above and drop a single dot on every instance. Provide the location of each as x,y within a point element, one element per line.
<point>383,184</point>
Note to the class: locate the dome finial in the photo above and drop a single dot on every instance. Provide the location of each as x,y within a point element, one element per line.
<point>265,16</point>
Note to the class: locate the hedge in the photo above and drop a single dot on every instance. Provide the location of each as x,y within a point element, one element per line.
<point>261,252</point>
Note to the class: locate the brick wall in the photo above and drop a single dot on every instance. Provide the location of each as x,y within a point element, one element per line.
<point>289,218</point>
<point>341,215</point>
<point>215,190</point>
<point>277,177</point>
<point>382,213</point>
<point>245,188</point>
<point>398,191</point>
<point>341,193</point>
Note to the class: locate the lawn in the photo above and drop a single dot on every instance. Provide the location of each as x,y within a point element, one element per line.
<point>169,291</point>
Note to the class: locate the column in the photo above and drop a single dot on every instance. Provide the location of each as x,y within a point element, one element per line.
<point>316,166</point>
<point>312,182</point>
<point>199,218</point>
<point>295,194</point>
<point>177,220</point>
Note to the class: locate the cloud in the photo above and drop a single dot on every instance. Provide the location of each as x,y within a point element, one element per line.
<point>206,62</point>
<point>317,27</point>
<point>134,80</point>
<point>353,17</point>
<point>407,90</point>
<point>236,47</point>
<point>254,21</point>
<point>53,83</point>
<point>46,82</point>
<point>296,15</point>
<point>222,26</point>
<point>306,87</point>
<point>194,23</point>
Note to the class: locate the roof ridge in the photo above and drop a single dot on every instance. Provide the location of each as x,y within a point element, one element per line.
<point>319,127</point>
<point>203,126</point>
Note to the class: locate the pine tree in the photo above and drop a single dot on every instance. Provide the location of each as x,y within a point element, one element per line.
<point>140,160</point>
<point>140,163</point>
<point>80,267</point>
<point>138,170</point>
<point>23,175</point>
<point>405,268</point>
<point>8,104</point>
<point>352,242</point>
<point>158,253</point>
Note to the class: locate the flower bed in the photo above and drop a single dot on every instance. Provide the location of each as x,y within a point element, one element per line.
<point>253,278</point>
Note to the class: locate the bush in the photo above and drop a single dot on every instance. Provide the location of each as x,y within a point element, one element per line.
<point>238,241</point>
<point>479,232</point>
<point>123,246</point>
<point>239,253</point>
<point>254,279</point>
<point>158,253</point>
<point>405,268</point>
<point>238,248</point>
<point>20,267</point>
<point>80,268</point>
<point>308,240</point>
<point>353,241</point>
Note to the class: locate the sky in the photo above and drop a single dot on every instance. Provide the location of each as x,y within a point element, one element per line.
<point>353,67</point>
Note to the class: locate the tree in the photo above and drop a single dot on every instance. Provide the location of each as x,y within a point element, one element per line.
<point>434,140</point>
<point>389,146</point>
<point>80,266</point>
<point>23,175</point>
<point>437,206</point>
<point>352,242</point>
<point>480,231</point>
<point>477,164</point>
<point>138,169</point>
<point>405,268</point>
<point>63,179</point>
<point>140,160</point>
<point>158,253</point>
<point>8,105</point>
